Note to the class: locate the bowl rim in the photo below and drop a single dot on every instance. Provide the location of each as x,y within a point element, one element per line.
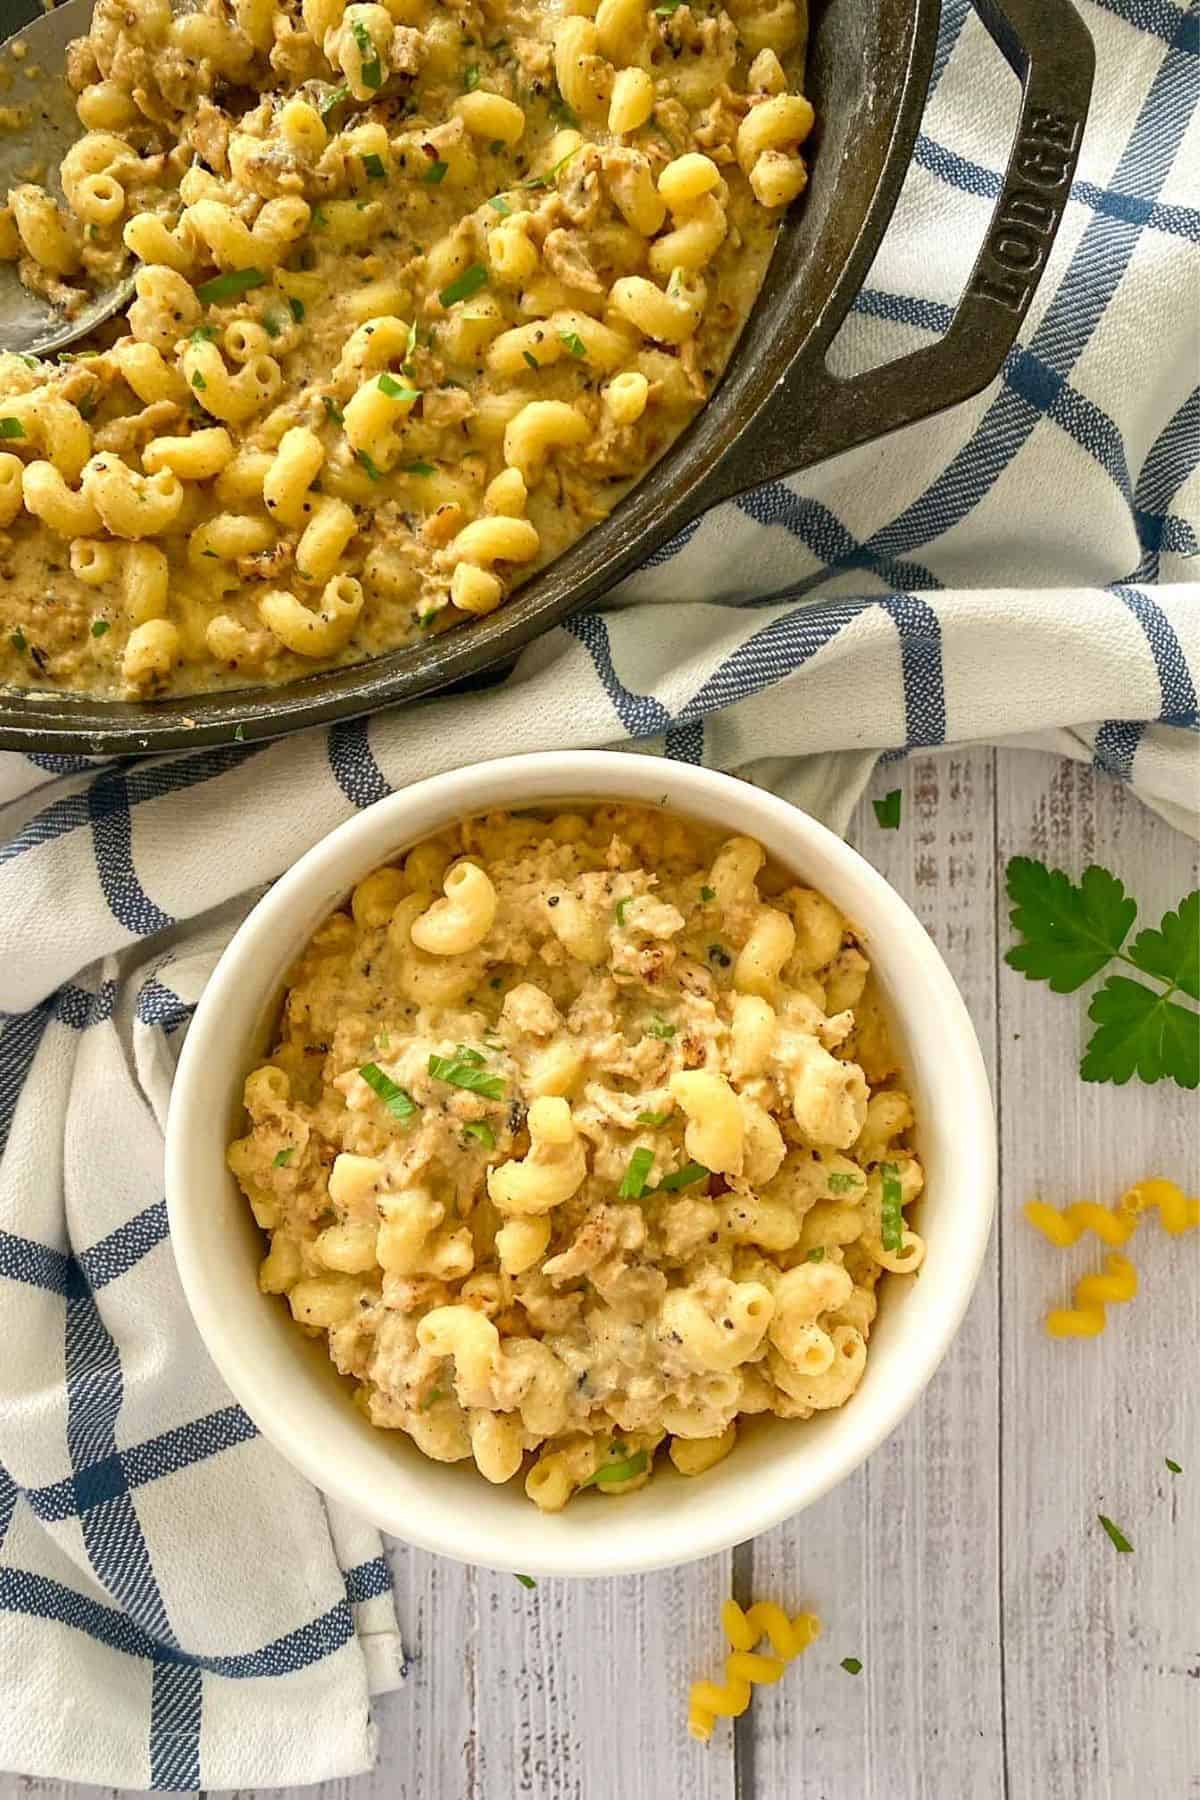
<point>513,783</point>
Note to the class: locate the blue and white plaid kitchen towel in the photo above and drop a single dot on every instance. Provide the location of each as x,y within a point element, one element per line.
<point>176,1609</point>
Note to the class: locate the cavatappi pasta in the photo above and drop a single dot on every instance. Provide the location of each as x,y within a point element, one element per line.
<point>582,1135</point>
<point>421,290</point>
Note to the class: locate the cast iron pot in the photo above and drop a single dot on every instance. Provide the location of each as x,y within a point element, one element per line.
<point>777,409</point>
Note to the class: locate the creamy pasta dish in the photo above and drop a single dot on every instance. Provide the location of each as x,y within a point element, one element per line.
<point>583,1134</point>
<point>421,288</point>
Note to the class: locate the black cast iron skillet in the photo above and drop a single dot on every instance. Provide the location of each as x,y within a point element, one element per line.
<point>777,410</point>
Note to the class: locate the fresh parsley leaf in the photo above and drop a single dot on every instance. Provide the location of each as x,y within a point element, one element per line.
<point>436,173</point>
<point>526,1581</point>
<point>574,343</point>
<point>203,334</point>
<point>368,462</point>
<point>420,469</point>
<point>470,78</point>
<point>467,1055</point>
<point>499,204</point>
<point>11,428</point>
<point>1117,1536</point>
<point>891,1215</point>
<point>622,907</point>
<point>1174,1467</point>
<point>691,1172</point>
<point>374,166</point>
<point>229,286</point>
<point>283,1157</point>
<point>1143,1033</point>
<point>18,641</point>
<point>332,410</point>
<point>464,285</point>
<point>531,359</point>
<point>99,627</point>
<point>548,179</point>
<point>707,894</point>
<point>333,98</point>
<point>466,1075</point>
<point>1070,930</point>
<point>839,1183</point>
<point>397,390</point>
<point>400,1104</point>
<point>654,1119</point>
<point>296,308</point>
<point>199,382</point>
<point>633,1182</point>
<point>660,1028</point>
<point>1172,952</point>
<point>816,1254</point>
<point>851,1664</point>
<point>481,1132</point>
<point>887,811</point>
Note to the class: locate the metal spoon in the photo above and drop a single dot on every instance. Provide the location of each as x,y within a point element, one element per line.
<point>28,323</point>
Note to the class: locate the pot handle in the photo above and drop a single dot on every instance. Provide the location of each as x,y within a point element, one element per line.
<point>814,414</point>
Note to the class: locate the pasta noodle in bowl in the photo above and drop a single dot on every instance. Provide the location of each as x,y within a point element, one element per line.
<point>289,1386</point>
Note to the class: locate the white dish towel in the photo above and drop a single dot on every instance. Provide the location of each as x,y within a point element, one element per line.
<point>176,1609</point>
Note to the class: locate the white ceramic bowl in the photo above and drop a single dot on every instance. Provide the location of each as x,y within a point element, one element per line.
<point>286,1382</point>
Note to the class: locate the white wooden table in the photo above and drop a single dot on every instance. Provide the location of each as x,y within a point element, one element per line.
<point>1007,1649</point>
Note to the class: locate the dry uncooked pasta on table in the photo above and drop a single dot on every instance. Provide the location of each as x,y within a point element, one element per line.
<point>421,290</point>
<point>582,1133</point>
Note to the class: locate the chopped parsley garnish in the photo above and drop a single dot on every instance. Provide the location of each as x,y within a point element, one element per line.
<point>653,1119</point>
<point>203,334</point>
<point>1174,1467</point>
<point>296,307</point>
<point>18,641</point>
<point>499,204</point>
<point>531,359</point>
<point>622,907</point>
<point>891,1217</point>
<point>547,180</point>
<point>837,1183</point>
<point>198,381</point>
<point>229,285</point>
<point>11,428</point>
<point>369,464</point>
<point>467,1055</point>
<point>420,469</point>
<point>283,1157</point>
<point>373,165</point>
<point>370,69</point>
<point>400,1104</point>
<point>612,1474</point>
<point>332,99</point>
<point>851,1664</point>
<point>887,810</point>
<point>464,285</point>
<point>435,173</point>
<point>99,627</point>
<point>633,1182</point>
<point>1116,1535</point>
<point>332,410</point>
<point>274,323</point>
<point>525,1580</point>
<point>707,894</point>
<point>559,110</point>
<point>816,1254</point>
<point>659,1028</point>
<point>470,78</point>
<point>466,1075</point>
<point>397,390</point>
<point>690,1173</point>
<point>574,343</point>
<point>481,1132</point>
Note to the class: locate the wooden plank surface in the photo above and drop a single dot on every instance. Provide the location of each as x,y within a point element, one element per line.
<point>1008,1650</point>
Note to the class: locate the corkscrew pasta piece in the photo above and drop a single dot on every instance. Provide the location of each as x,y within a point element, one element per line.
<point>1093,1293</point>
<point>744,1667</point>
<point>1116,1225</point>
<point>1177,1213</point>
